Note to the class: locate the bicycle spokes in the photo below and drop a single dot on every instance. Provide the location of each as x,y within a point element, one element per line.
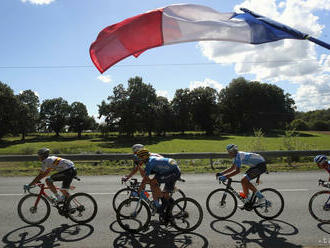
<point>133,215</point>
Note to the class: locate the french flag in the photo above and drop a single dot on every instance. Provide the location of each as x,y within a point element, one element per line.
<point>183,23</point>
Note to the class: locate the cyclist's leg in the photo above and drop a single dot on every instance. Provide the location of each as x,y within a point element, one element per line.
<point>50,182</point>
<point>155,189</point>
<point>66,181</point>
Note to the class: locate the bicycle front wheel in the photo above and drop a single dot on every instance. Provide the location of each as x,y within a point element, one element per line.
<point>120,196</point>
<point>221,204</point>
<point>273,206</point>
<point>186,214</point>
<point>133,215</point>
<point>81,208</point>
<point>33,211</point>
<point>319,206</point>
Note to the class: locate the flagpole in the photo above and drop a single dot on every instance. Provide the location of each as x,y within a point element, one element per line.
<point>319,42</point>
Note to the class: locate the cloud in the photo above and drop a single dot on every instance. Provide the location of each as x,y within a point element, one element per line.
<point>38,2</point>
<point>163,93</point>
<point>105,78</point>
<point>206,83</point>
<point>294,61</point>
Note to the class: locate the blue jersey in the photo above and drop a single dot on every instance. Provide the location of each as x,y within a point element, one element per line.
<point>160,166</point>
<point>250,159</point>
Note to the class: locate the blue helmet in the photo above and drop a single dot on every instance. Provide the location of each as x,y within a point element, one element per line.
<point>320,158</point>
<point>231,148</point>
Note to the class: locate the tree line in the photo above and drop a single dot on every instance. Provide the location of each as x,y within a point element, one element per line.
<point>23,114</point>
<point>241,107</point>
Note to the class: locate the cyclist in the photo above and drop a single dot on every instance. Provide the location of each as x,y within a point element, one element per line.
<point>66,173</point>
<point>323,163</point>
<point>166,171</point>
<point>257,167</point>
<point>137,162</point>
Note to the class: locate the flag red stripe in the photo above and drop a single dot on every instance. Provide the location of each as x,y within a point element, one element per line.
<point>131,36</point>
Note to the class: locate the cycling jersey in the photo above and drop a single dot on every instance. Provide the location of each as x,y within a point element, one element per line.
<point>56,163</point>
<point>250,159</point>
<point>160,166</point>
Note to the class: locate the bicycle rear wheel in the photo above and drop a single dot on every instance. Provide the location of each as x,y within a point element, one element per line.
<point>221,204</point>
<point>186,214</point>
<point>120,196</point>
<point>133,215</point>
<point>319,206</point>
<point>273,206</point>
<point>81,208</point>
<point>31,212</point>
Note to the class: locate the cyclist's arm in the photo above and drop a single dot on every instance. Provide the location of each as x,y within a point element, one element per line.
<point>229,169</point>
<point>235,170</point>
<point>142,172</point>
<point>145,180</point>
<point>134,170</point>
<point>41,175</point>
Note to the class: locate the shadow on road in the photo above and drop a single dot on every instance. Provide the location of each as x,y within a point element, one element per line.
<point>34,236</point>
<point>324,227</point>
<point>265,233</point>
<point>157,236</point>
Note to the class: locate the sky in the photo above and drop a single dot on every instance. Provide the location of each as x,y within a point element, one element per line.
<point>45,47</point>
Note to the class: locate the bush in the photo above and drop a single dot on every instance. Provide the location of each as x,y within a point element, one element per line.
<point>27,150</point>
<point>299,125</point>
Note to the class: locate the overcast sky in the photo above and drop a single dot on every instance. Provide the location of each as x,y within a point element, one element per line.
<point>45,47</point>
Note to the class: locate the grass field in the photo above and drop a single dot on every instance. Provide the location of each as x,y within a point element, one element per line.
<point>174,143</point>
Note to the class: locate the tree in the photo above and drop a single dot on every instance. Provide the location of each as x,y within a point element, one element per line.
<point>299,125</point>
<point>78,118</point>
<point>320,125</point>
<point>28,112</point>
<point>164,116</point>
<point>116,112</point>
<point>132,109</point>
<point>181,106</point>
<point>8,109</point>
<point>252,105</point>
<point>54,114</point>
<point>203,108</point>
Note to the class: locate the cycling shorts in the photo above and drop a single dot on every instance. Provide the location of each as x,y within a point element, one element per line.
<point>65,176</point>
<point>169,179</point>
<point>256,171</point>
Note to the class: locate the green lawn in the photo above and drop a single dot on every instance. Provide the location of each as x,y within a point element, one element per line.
<point>193,142</point>
<point>175,143</point>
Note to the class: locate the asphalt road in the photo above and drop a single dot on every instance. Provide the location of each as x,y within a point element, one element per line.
<point>293,228</point>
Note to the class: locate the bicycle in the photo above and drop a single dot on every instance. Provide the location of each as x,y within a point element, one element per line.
<point>35,208</point>
<point>134,214</point>
<point>319,204</point>
<point>132,185</point>
<point>222,202</point>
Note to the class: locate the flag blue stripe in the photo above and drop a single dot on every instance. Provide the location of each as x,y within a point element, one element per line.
<point>262,32</point>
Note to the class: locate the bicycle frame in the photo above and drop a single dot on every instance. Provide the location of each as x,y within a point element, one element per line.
<point>232,190</point>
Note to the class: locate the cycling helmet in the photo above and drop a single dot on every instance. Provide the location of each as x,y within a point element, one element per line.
<point>137,147</point>
<point>143,154</point>
<point>44,152</point>
<point>231,148</point>
<point>320,158</point>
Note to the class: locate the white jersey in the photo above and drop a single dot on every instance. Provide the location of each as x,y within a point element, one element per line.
<point>56,163</point>
<point>248,158</point>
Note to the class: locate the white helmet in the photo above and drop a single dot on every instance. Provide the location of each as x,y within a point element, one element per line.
<point>137,147</point>
<point>231,148</point>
